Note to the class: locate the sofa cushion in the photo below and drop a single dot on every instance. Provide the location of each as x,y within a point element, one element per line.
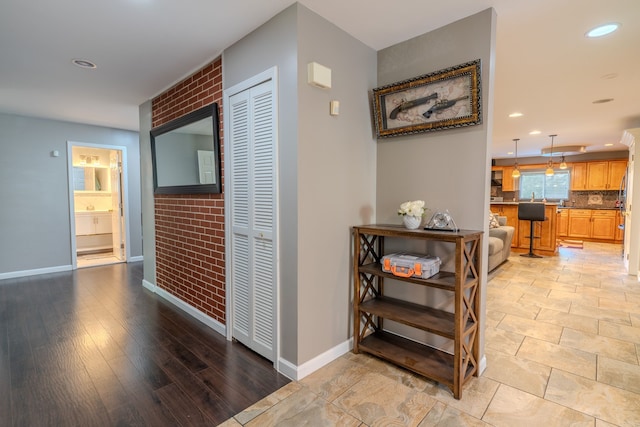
<point>493,220</point>
<point>495,245</point>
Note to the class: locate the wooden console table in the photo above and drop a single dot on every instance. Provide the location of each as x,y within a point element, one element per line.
<point>371,306</point>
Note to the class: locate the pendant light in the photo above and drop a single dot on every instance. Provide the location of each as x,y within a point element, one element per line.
<point>563,164</point>
<point>549,171</point>
<point>516,168</point>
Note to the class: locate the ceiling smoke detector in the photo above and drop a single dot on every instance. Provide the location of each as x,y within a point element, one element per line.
<point>84,63</point>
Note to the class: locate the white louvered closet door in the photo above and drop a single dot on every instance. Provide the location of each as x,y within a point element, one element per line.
<point>251,154</point>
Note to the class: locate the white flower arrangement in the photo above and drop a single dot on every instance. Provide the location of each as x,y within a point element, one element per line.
<point>414,208</point>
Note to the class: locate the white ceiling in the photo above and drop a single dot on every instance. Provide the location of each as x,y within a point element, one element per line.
<point>545,67</point>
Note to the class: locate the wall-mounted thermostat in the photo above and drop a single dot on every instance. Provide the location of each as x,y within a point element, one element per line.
<point>319,75</point>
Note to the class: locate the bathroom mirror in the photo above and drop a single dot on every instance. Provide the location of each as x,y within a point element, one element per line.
<point>186,154</point>
<point>86,178</point>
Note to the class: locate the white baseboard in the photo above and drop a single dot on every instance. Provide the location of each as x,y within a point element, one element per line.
<point>23,273</point>
<point>192,311</point>
<point>299,372</point>
<point>482,365</point>
<point>136,258</point>
<point>148,285</point>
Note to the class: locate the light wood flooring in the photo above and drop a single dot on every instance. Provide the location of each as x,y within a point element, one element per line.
<point>562,347</point>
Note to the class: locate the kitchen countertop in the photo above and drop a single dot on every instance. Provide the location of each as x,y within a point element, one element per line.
<point>562,207</point>
<point>515,203</point>
<point>600,208</point>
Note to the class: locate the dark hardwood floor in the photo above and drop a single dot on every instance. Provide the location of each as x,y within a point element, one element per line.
<point>94,348</point>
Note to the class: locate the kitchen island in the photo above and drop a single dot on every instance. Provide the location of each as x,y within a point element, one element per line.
<point>545,232</point>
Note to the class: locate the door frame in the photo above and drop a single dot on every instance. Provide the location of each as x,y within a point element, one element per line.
<point>124,186</point>
<point>269,75</point>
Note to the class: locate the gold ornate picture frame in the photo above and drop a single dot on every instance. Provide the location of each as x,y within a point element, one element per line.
<point>444,99</point>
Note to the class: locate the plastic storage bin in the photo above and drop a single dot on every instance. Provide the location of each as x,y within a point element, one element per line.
<point>404,264</point>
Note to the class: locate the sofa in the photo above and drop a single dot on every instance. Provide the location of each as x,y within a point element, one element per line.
<point>500,237</point>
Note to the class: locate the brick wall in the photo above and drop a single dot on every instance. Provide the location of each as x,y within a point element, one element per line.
<point>190,228</point>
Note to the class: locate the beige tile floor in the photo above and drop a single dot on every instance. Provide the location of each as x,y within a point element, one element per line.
<point>93,260</point>
<point>562,347</point>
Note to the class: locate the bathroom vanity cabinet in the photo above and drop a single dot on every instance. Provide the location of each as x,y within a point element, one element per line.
<point>88,223</point>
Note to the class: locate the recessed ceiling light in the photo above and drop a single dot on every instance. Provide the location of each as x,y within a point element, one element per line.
<point>535,132</point>
<point>509,153</point>
<point>608,145</point>
<point>83,63</point>
<point>516,114</point>
<point>602,30</point>
<point>602,101</point>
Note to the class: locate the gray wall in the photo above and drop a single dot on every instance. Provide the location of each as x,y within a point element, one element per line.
<point>326,169</point>
<point>34,213</point>
<point>336,179</point>
<point>146,195</point>
<point>275,44</point>
<point>448,169</point>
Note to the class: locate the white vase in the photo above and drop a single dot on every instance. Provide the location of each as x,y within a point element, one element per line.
<point>411,222</point>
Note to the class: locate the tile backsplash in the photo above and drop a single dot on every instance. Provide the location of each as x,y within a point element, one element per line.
<point>577,199</point>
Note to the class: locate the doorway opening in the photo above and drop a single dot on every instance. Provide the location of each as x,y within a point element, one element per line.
<point>97,189</point>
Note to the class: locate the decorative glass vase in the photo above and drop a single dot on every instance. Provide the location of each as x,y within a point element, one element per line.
<point>411,222</point>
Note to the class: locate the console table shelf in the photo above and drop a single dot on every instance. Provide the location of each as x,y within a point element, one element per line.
<point>371,306</point>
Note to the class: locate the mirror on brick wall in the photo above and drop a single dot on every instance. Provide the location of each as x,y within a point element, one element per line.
<point>186,153</point>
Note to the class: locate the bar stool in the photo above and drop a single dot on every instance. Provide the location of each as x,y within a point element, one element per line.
<point>531,212</point>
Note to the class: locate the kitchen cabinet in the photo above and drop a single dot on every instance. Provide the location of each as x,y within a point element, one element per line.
<point>373,308</point>
<point>619,234</point>
<point>597,175</point>
<point>605,175</point>
<point>563,223</point>
<point>545,232</point>
<point>617,170</point>
<point>578,176</point>
<point>603,225</point>
<point>580,223</point>
<point>592,224</point>
<point>509,183</point>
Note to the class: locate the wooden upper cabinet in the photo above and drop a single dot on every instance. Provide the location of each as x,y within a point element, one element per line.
<point>597,175</point>
<point>605,175</point>
<point>617,169</point>
<point>508,182</point>
<point>578,176</point>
